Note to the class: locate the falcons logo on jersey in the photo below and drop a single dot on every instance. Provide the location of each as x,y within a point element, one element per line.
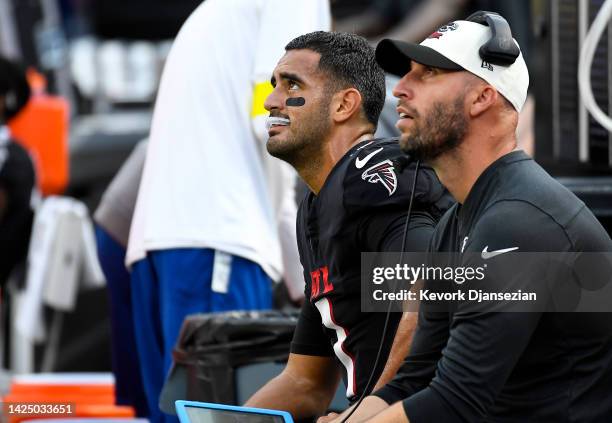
<point>382,172</point>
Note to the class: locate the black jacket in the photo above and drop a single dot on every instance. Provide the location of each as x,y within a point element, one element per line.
<point>511,367</point>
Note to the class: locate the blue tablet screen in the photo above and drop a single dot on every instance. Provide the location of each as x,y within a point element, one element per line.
<point>210,415</point>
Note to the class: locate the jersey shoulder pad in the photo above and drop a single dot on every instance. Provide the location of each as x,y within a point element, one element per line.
<point>373,175</point>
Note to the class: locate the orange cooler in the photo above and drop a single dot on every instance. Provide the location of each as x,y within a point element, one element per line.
<point>42,128</point>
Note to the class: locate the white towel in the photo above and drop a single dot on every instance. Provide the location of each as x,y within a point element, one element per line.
<point>61,259</point>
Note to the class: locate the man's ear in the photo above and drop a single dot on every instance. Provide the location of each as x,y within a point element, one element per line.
<point>485,96</point>
<point>344,104</point>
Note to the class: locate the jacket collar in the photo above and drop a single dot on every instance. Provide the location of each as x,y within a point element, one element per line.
<point>479,193</point>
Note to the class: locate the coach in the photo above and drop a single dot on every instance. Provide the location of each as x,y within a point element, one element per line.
<point>458,108</point>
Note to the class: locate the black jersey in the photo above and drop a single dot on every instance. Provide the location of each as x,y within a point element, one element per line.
<point>361,207</point>
<point>511,367</point>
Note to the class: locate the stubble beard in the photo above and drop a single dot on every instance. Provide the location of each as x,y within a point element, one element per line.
<point>441,131</point>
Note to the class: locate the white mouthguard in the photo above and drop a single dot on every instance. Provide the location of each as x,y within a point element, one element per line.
<point>271,120</point>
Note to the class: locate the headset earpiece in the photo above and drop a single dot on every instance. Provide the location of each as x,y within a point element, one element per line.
<point>501,48</point>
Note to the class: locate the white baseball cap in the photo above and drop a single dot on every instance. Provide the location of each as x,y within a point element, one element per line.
<point>455,46</point>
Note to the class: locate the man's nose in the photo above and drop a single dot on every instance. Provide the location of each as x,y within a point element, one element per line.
<point>403,88</point>
<point>273,101</point>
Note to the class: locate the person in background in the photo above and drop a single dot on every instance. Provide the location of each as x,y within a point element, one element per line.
<point>112,218</point>
<point>17,174</point>
<point>214,221</point>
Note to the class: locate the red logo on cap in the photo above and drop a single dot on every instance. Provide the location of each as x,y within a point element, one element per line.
<point>444,28</point>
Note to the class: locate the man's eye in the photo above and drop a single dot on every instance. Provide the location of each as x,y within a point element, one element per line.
<point>293,85</point>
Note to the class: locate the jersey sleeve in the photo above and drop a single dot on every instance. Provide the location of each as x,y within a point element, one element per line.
<point>376,179</point>
<point>378,192</point>
<point>309,337</point>
<point>457,368</point>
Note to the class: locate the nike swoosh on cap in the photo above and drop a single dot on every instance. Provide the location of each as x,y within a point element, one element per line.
<point>359,163</point>
<point>486,254</point>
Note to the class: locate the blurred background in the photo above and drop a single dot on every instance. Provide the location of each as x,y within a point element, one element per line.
<point>95,65</point>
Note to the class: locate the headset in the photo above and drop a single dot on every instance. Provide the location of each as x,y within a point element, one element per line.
<point>501,48</point>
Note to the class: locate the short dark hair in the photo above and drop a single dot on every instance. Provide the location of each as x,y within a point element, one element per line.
<point>349,61</point>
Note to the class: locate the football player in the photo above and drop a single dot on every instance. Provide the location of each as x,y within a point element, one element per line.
<point>328,94</point>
